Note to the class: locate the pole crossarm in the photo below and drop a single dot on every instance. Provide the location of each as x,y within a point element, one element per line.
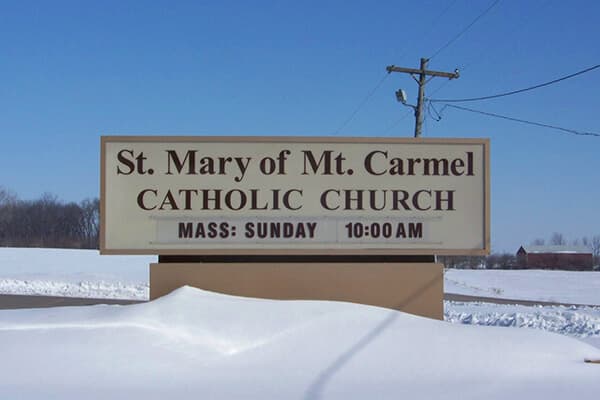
<point>422,73</point>
<point>449,75</point>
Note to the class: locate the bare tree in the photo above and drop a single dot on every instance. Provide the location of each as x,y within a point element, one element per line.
<point>507,260</point>
<point>558,239</point>
<point>595,246</point>
<point>48,222</point>
<point>585,241</point>
<point>538,242</point>
<point>6,197</point>
<point>90,222</point>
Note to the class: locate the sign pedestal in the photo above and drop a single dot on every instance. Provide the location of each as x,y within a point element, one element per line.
<point>416,288</point>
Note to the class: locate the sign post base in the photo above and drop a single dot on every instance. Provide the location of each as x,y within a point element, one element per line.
<point>416,288</point>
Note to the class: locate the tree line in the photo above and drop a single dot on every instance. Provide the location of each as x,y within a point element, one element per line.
<point>509,260</point>
<point>48,222</point>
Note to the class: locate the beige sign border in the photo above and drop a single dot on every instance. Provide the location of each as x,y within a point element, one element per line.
<point>296,139</point>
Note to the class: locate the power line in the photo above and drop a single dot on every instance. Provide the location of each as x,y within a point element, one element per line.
<point>525,19</point>
<point>455,38</point>
<point>440,15</point>
<point>516,91</point>
<point>397,122</point>
<point>572,131</point>
<point>374,90</point>
<point>361,104</point>
<point>438,116</point>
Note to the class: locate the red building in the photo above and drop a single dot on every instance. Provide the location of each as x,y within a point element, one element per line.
<point>555,257</point>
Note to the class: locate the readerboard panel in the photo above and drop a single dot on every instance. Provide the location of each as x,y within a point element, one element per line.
<point>294,195</point>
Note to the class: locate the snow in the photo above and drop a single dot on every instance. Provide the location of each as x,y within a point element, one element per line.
<point>569,287</point>
<point>85,273</point>
<point>196,344</point>
<point>577,321</point>
<point>73,273</point>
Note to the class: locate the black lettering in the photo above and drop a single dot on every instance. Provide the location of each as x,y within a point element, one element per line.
<point>261,229</point>
<point>207,166</point>
<point>224,230</point>
<point>169,200</point>
<point>275,229</point>
<point>435,163</point>
<point>249,230</point>
<point>456,167</point>
<point>369,160</point>
<point>188,197</point>
<point>417,203</point>
<point>267,165</point>
<point>141,198</point>
<point>242,166</point>
<point>449,200</point>
<point>223,164</point>
<point>373,200</point>
<point>300,231</point>
<point>288,230</point>
<point>212,230</point>
<point>400,197</point>
<point>311,228</point>
<point>216,199</point>
<point>314,165</point>
<point>286,200</point>
<point>126,162</point>
<point>200,232</point>
<point>412,162</point>
<point>324,202</point>
<point>254,200</point>
<point>190,158</point>
<point>241,203</point>
<point>400,231</point>
<point>397,166</point>
<point>470,163</point>
<point>349,200</point>
<point>415,230</point>
<point>186,230</point>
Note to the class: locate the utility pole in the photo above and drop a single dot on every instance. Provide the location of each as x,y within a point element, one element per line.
<point>422,74</point>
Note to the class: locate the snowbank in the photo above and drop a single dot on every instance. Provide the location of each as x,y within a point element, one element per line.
<point>195,344</point>
<point>84,273</point>
<point>582,322</point>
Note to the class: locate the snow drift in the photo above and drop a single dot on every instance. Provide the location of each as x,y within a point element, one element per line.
<point>197,344</point>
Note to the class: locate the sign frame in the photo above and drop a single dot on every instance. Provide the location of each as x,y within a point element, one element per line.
<point>484,142</point>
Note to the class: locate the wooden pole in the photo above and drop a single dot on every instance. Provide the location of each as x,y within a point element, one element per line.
<point>423,73</point>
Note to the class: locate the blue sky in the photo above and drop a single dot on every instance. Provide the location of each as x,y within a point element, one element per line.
<point>74,70</point>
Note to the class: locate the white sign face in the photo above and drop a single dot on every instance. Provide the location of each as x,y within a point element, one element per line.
<point>282,195</point>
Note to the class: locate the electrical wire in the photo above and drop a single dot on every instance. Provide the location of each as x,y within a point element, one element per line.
<point>456,37</point>
<point>478,58</point>
<point>516,91</point>
<point>440,15</point>
<point>397,122</point>
<point>361,104</point>
<point>438,115</point>
<point>567,130</point>
<point>374,90</point>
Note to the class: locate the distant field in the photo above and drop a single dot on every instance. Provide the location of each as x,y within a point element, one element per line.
<point>573,287</point>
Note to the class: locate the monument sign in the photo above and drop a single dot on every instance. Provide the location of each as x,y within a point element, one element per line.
<point>282,195</point>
